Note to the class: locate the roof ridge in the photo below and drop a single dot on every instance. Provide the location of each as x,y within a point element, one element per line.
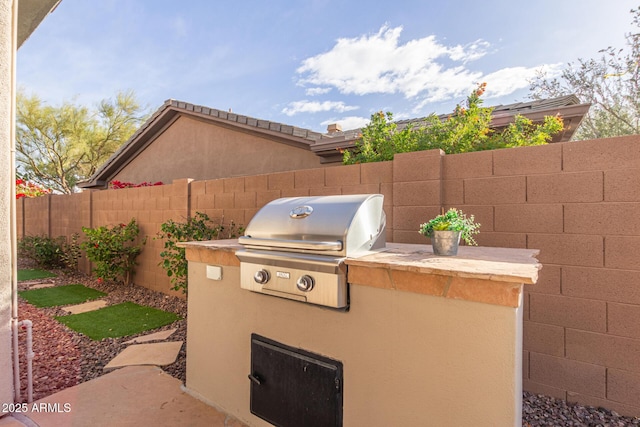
<point>230,116</point>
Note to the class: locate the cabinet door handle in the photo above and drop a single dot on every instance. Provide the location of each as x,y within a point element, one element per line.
<point>256,380</point>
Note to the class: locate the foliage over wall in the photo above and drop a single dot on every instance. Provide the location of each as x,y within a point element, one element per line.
<point>466,129</point>
<point>117,185</point>
<point>29,189</point>
<point>58,146</point>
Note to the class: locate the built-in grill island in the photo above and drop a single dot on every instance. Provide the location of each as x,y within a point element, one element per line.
<point>312,319</point>
<point>296,247</point>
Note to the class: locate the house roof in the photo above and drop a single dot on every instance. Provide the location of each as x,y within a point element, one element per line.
<point>171,110</point>
<point>324,145</point>
<point>30,14</point>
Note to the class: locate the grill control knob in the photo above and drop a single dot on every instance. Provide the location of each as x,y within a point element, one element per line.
<point>261,277</point>
<point>305,283</point>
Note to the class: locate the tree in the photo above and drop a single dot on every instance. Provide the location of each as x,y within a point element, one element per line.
<point>59,146</point>
<point>610,83</point>
<point>466,129</point>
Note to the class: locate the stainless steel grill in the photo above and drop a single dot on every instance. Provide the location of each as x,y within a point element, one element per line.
<point>295,247</point>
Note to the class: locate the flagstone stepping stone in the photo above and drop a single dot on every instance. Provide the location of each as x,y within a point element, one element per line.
<point>40,285</point>
<point>158,336</point>
<point>86,306</point>
<point>160,354</point>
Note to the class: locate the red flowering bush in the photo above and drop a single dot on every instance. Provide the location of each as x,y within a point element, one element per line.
<point>29,189</point>
<point>116,185</point>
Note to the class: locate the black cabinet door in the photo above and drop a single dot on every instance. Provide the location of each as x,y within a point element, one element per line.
<point>294,388</point>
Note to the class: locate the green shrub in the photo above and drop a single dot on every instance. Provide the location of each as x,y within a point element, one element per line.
<point>71,252</point>
<point>196,228</point>
<point>113,250</point>
<point>51,252</point>
<point>466,129</point>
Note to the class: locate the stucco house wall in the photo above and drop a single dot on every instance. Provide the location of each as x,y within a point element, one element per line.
<point>16,25</point>
<point>6,54</point>
<point>199,150</point>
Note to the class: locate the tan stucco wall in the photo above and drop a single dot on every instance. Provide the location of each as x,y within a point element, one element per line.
<point>6,94</point>
<point>409,359</point>
<point>191,148</point>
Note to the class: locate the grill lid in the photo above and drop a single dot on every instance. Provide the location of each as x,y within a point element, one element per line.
<point>347,225</point>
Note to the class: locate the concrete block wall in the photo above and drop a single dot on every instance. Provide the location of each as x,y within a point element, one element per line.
<point>63,224</point>
<point>150,206</point>
<point>576,202</point>
<point>36,216</point>
<point>238,199</point>
<point>417,193</point>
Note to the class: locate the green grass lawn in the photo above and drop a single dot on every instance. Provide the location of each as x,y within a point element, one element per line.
<point>60,295</point>
<point>33,274</point>
<point>118,320</point>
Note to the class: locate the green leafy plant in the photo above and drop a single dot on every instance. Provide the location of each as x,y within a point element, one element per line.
<point>71,252</point>
<point>196,228</point>
<point>50,252</point>
<point>452,220</point>
<point>466,129</point>
<point>113,250</point>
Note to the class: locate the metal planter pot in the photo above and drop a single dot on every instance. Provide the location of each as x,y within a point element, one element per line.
<point>445,242</point>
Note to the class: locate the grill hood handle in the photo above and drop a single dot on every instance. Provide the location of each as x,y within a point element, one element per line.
<point>290,244</point>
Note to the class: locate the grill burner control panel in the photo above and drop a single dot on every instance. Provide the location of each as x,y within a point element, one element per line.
<point>316,287</point>
<point>304,283</point>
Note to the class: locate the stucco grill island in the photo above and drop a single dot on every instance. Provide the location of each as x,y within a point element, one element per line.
<point>423,340</point>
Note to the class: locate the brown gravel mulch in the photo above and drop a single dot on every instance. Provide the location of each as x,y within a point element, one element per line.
<point>64,358</point>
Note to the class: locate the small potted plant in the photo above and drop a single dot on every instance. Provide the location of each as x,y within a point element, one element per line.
<point>446,229</point>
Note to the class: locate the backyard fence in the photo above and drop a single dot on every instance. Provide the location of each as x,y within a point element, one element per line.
<point>577,202</point>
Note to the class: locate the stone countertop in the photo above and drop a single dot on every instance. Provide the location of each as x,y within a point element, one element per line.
<point>496,264</point>
<point>487,263</point>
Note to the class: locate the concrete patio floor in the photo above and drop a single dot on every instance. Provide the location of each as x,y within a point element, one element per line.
<point>130,396</point>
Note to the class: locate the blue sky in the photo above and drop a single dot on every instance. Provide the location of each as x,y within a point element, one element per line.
<point>312,63</point>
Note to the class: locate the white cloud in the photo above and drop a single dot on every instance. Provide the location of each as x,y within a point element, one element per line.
<point>316,107</point>
<point>313,91</point>
<point>423,70</point>
<point>469,52</point>
<point>379,64</point>
<point>349,123</point>
<point>509,80</point>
